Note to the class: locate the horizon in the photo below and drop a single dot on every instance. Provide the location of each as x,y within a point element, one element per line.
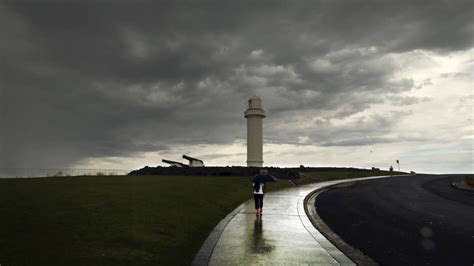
<point>33,172</point>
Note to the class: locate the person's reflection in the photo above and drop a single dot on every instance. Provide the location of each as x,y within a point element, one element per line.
<point>258,240</point>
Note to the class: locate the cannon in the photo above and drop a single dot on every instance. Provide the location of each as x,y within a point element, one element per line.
<point>193,162</point>
<point>174,164</point>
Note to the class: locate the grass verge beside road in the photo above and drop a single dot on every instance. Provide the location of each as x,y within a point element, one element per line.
<point>114,220</point>
<point>328,174</point>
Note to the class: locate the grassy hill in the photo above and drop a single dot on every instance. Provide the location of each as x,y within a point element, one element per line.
<point>113,220</point>
<point>327,174</point>
<point>119,220</point>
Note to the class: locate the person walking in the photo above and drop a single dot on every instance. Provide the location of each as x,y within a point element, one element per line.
<point>258,184</point>
<point>258,196</point>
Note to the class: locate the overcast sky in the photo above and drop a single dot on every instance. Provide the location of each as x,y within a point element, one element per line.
<point>114,84</point>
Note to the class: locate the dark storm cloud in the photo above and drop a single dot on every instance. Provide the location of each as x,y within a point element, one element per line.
<point>111,78</point>
<point>363,131</point>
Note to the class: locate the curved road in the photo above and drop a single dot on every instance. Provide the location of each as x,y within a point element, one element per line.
<point>409,220</point>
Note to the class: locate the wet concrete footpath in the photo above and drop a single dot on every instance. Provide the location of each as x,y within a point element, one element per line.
<point>283,235</point>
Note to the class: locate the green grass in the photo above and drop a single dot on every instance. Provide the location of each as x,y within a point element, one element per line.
<point>341,173</point>
<point>113,220</point>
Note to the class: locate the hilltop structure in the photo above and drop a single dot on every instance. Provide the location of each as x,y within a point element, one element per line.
<point>174,163</point>
<point>193,162</point>
<point>255,115</point>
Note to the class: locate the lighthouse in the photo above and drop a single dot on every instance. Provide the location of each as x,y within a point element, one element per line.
<point>255,115</point>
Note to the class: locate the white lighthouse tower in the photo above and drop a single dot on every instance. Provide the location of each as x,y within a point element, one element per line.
<point>255,115</point>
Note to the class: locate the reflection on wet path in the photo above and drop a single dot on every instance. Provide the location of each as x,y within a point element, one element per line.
<point>259,244</point>
<point>284,236</point>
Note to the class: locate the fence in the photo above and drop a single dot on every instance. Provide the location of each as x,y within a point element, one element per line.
<point>45,172</point>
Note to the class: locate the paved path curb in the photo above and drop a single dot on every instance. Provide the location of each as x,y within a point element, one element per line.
<point>205,252</point>
<point>354,254</point>
<point>288,235</point>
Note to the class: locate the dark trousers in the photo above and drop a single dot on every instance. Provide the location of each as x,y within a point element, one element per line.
<point>258,200</point>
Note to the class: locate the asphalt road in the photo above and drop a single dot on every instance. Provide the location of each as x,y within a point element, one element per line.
<point>410,220</point>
